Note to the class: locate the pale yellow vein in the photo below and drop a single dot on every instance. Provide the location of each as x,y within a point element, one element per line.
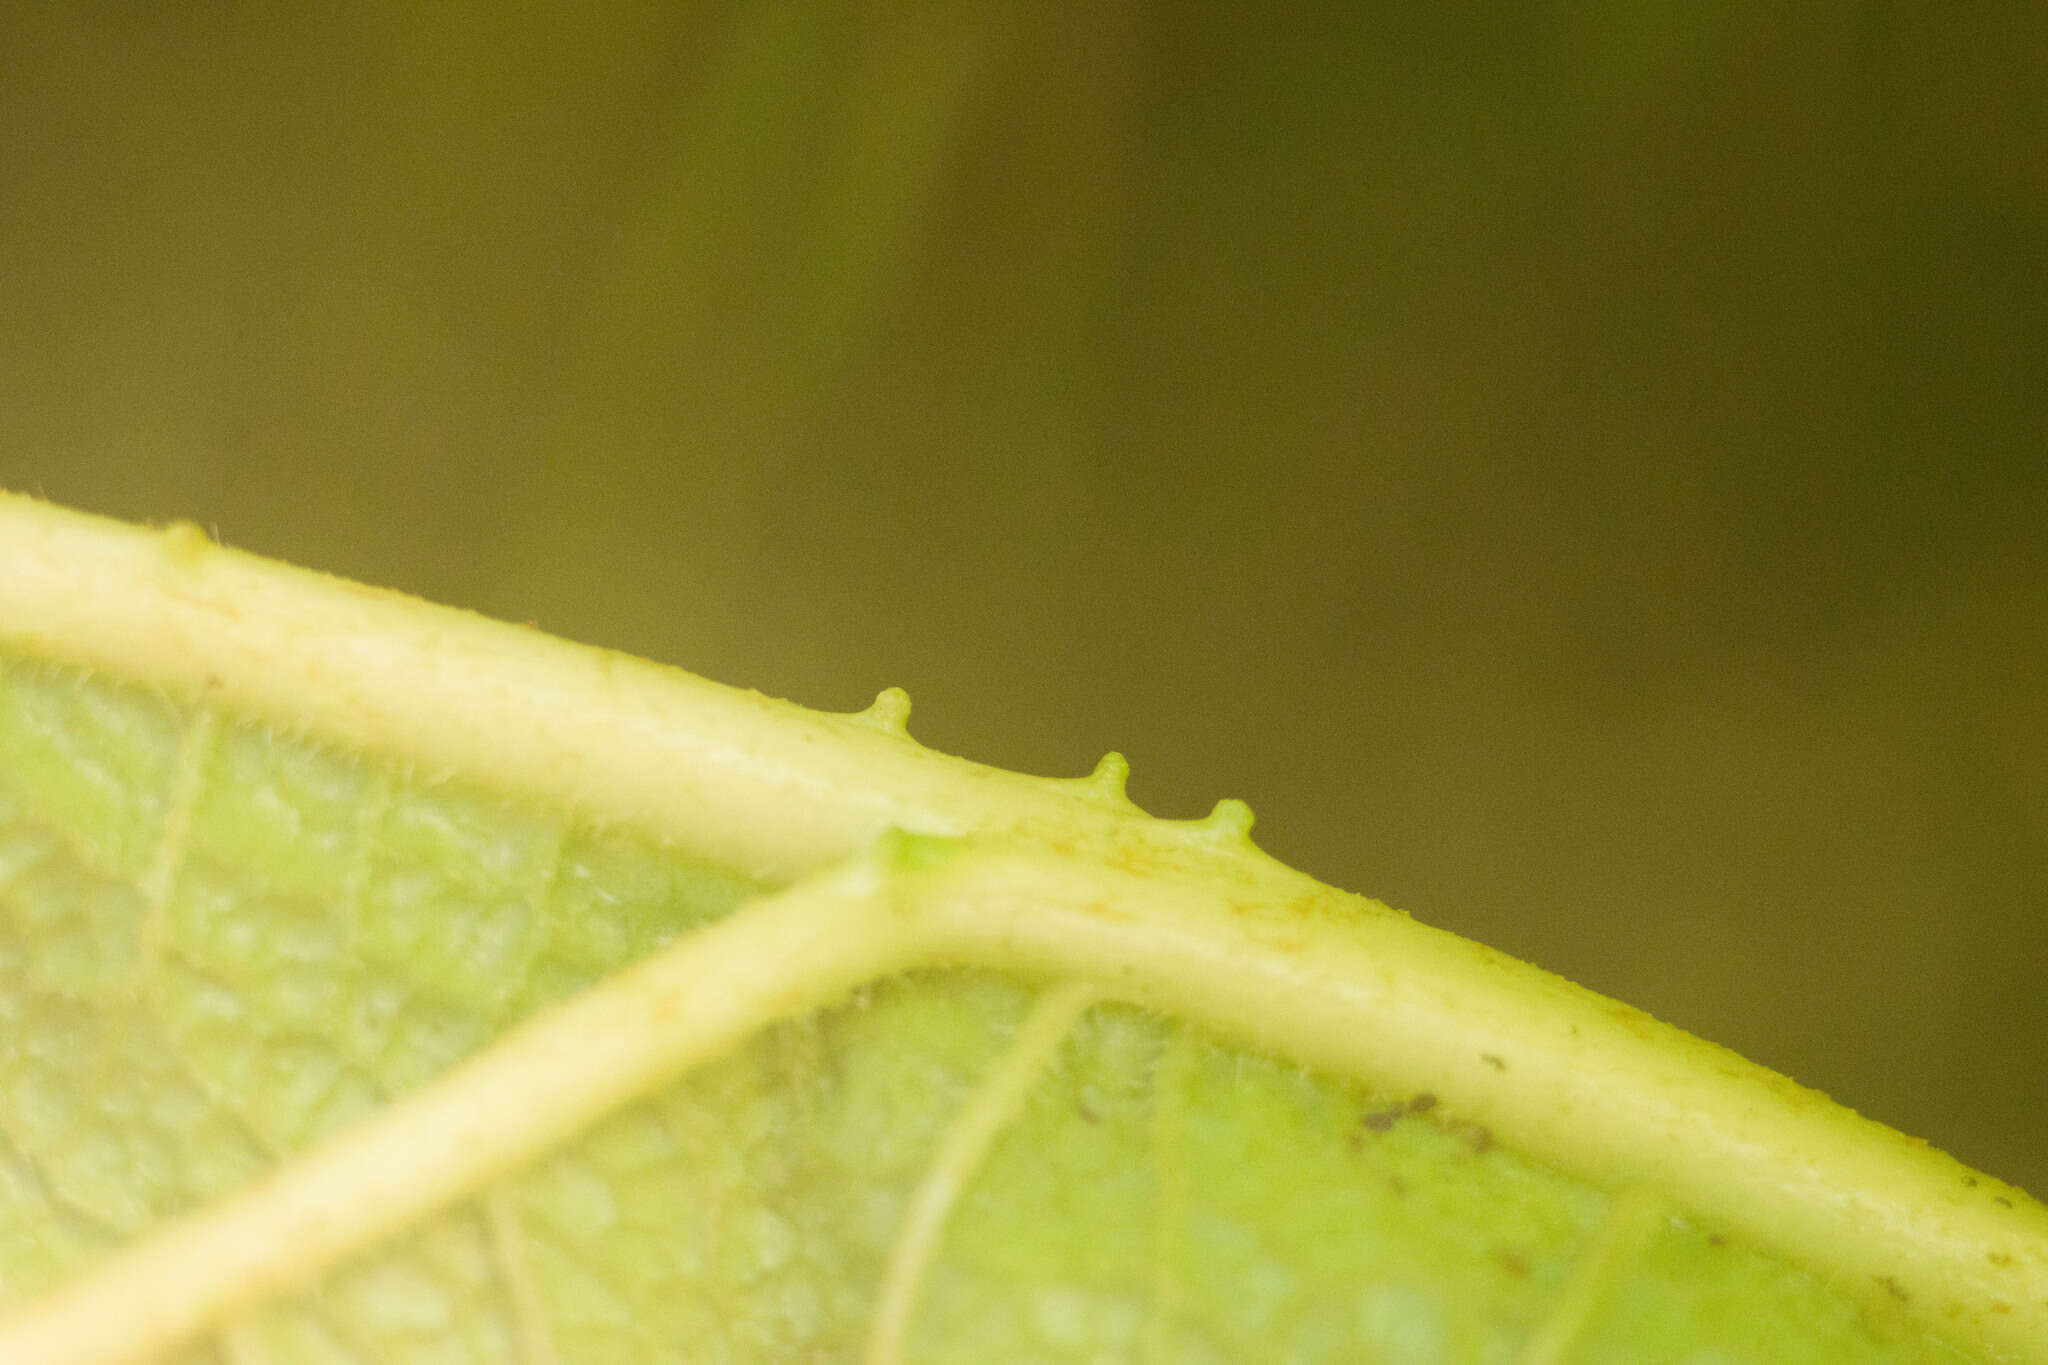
<point>589,1055</point>
<point>1169,1163</point>
<point>168,858</point>
<point>1633,1217</point>
<point>240,1345</point>
<point>355,885</point>
<point>995,1102</point>
<point>159,882</point>
<point>522,1292</point>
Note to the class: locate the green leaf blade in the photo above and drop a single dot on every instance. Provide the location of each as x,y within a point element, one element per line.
<point>223,943</point>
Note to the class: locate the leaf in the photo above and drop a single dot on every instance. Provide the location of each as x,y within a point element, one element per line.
<point>385,984</point>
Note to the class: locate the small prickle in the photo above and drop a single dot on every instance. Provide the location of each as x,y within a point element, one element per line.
<point>185,542</point>
<point>1230,820</point>
<point>888,712</point>
<point>1110,778</point>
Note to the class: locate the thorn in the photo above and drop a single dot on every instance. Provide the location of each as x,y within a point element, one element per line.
<point>185,542</point>
<point>1231,819</point>
<point>1110,777</point>
<point>889,712</point>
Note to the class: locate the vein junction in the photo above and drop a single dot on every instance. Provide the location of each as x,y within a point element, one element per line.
<point>1314,989</point>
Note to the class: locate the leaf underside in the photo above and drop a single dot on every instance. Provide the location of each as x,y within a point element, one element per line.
<point>220,944</point>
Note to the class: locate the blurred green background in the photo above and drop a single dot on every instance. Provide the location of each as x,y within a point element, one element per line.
<point>1581,474</point>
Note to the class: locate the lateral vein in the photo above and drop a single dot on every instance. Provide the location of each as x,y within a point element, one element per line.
<point>997,1101</point>
<point>541,1084</point>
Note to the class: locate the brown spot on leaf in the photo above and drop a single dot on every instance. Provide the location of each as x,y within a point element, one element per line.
<point>1478,1138</point>
<point>1891,1287</point>
<point>1998,1258</point>
<point>1493,1060</point>
<point>1422,1103</point>
<point>1512,1261</point>
<point>2001,1201</point>
<point>1380,1120</point>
